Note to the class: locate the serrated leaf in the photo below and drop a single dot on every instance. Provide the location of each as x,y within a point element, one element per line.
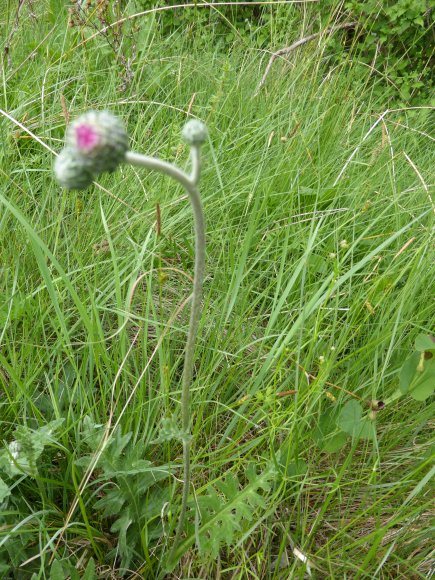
<point>225,509</point>
<point>120,527</point>
<point>169,431</point>
<point>112,458</point>
<point>132,496</point>
<point>24,451</point>
<point>112,502</point>
<point>424,342</point>
<point>92,433</point>
<point>350,417</point>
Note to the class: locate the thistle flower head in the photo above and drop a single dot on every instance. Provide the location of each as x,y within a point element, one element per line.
<point>71,170</point>
<point>194,132</point>
<point>100,139</point>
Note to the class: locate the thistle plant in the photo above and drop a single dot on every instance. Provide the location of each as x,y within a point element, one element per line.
<point>96,143</point>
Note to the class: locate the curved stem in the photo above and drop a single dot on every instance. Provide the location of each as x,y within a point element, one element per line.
<point>189,183</point>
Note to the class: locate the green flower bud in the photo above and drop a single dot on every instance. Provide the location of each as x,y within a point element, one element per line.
<point>194,132</point>
<point>100,138</point>
<point>71,170</point>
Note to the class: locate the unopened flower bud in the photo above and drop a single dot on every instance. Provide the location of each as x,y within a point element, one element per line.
<point>71,170</point>
<point>100,138</point>
<point>194,132</point>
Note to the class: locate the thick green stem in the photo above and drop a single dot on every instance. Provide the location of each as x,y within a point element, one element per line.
<point>189,183</point>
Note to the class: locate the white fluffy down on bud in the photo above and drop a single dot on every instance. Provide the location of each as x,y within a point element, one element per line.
<point>194,132</point>
<point>70,170</point>
<point>100,138</point>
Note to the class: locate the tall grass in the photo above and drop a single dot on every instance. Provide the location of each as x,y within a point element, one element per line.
<point>319,276</point>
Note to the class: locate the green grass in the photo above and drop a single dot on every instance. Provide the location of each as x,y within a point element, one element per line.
<point>288,177</point>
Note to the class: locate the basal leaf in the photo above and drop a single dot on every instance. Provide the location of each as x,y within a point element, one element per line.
<point>225,509</point>
<point>169,430</point>
<point>120,526</point>
<point>23,452</point>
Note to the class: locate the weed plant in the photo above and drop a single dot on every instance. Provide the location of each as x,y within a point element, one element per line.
<point>319,281</point>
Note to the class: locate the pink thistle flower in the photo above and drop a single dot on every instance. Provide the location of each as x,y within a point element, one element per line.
<point>100,139</point>
<point>87,137</point>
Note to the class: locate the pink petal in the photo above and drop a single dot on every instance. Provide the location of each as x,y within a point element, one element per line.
<point>87,137</point>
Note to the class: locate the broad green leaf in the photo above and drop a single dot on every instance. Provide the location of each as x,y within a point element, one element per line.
<point>424,342</point>
<point>326,426</point>
<point>407,372</point>
<point>326,434</point>
<point>288,464</point>
<point>334,443</point>
<point>424,383</point>
<point>417,376</point>
<point>424,389</point>
<point>296,468</point>
<point>56,572</point>
<point>74,574</point>
<point>351,421</point>
<point>365,429</point>
<point>317,264</point>
<point>326,196</point>
<point>90,571</point>
<point>350,417</point>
